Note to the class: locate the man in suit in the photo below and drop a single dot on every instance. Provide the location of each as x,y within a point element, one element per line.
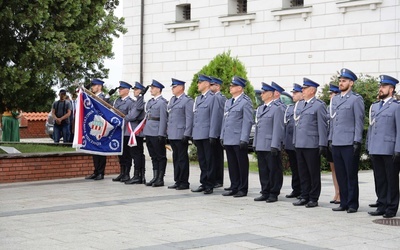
<point>235,133</point>
<point>179,130</point>
<point>345,135</point>
<point>203,109</point>
<point>310,142</point>
<point>288,142</point>
<point>135,117</point>
<point>384,147</point>
<point>217,157</point>
<point>99,161</point>
<point>124,104</point>
<point>267,143</point>
<point>155,131</point>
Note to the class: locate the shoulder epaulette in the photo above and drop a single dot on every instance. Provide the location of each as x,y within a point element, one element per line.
<point>319,100</point>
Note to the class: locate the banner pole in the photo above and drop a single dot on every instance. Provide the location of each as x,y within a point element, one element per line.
<point>103,102</point>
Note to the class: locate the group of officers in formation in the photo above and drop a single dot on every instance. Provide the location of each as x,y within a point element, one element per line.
<point>306,130</point>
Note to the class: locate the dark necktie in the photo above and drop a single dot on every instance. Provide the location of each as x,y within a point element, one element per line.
<point>265,106</point>
<point>233,101</point>
<point>175,99</point>
<point>305,104</point>
<point>381,104</point>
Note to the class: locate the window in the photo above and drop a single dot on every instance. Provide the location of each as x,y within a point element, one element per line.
<point>237,7</point>
<point>241,6</point>
<point>183,12</point>
<point>287,4</point>
<point>296,3</point>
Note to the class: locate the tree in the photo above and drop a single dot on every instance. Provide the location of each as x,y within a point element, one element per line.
<point>224,67</point>
<point>47,42</point>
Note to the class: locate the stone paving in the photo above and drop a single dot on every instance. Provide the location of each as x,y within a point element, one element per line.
<point>81,214</point>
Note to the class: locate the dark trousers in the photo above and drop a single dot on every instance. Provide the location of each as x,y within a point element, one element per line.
<point>346,166</point>
<point>296,186</point>
<point>158,153</point>
<point>125,160</point>
<point>180,159</point>
<point>217,162</point>
<point>270,172</point>
<point>137,154</point>
<point>309,161</point>
<point>386,174</point>
<point>238,166</point>
<point>207,178</point>
<point>99,162</point>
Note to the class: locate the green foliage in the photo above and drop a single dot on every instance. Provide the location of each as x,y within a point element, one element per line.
<point>367,86</point>
<point>223,66</point>
<point>45,43</point>
<point>37,148</point>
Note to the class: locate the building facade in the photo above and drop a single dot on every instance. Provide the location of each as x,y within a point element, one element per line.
<point>277,40</point>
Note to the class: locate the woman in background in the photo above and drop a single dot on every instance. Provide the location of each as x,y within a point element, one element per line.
<point>10,124</point>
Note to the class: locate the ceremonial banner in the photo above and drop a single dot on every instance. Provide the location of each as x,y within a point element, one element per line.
<point>98,130</point>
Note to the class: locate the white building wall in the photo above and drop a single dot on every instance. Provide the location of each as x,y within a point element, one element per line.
<point>363,40</point>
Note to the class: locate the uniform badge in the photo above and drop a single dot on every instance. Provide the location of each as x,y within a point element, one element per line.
<point>99,127</point>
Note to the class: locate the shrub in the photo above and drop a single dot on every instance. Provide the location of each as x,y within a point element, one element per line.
<point>223,66</point>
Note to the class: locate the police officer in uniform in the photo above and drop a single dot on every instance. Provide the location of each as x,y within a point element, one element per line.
<point>288,142</point>
<point>235,133</point>
<point>99,161</point>
<point>135,116</point>
<point>310,141</point>
<point>384,147</point>
<point>217,156</point>
<point>179,131</point>
<point>277,93</point>
<point>124,104</point>
<point>267,143</point>
<point>155,131</point>
<point>202,131</point>
<point>345,135</point>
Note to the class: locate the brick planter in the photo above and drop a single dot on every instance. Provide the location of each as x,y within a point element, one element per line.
<point>33,167</point>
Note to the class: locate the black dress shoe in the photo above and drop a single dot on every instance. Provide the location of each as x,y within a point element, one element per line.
<point>261,198</point>
<point>292,195</point>
<point>389,215</point>
<point>173,186</point>
<point>90,177</point>
<point>229,193</point>
<point>182,187</point>
<point>208,191</point>
<point>312,204</point>
<point>337,202</point>
<point>199,189</point>
<point>351,210</point>
<point>240,194</point>
<point>376,213</point>
<point>218,185</point>
<point>301,202</point>
<point>374,204</point>
<point>271,199</point>
<point>332,201</point>
<point>338,209</point>
<point>99,177</point>
<point>228,189</point>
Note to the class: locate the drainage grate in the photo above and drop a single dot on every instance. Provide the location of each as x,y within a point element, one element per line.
<point>389,222</point>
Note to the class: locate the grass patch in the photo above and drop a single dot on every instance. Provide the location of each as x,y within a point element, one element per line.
<point>36,148</point>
